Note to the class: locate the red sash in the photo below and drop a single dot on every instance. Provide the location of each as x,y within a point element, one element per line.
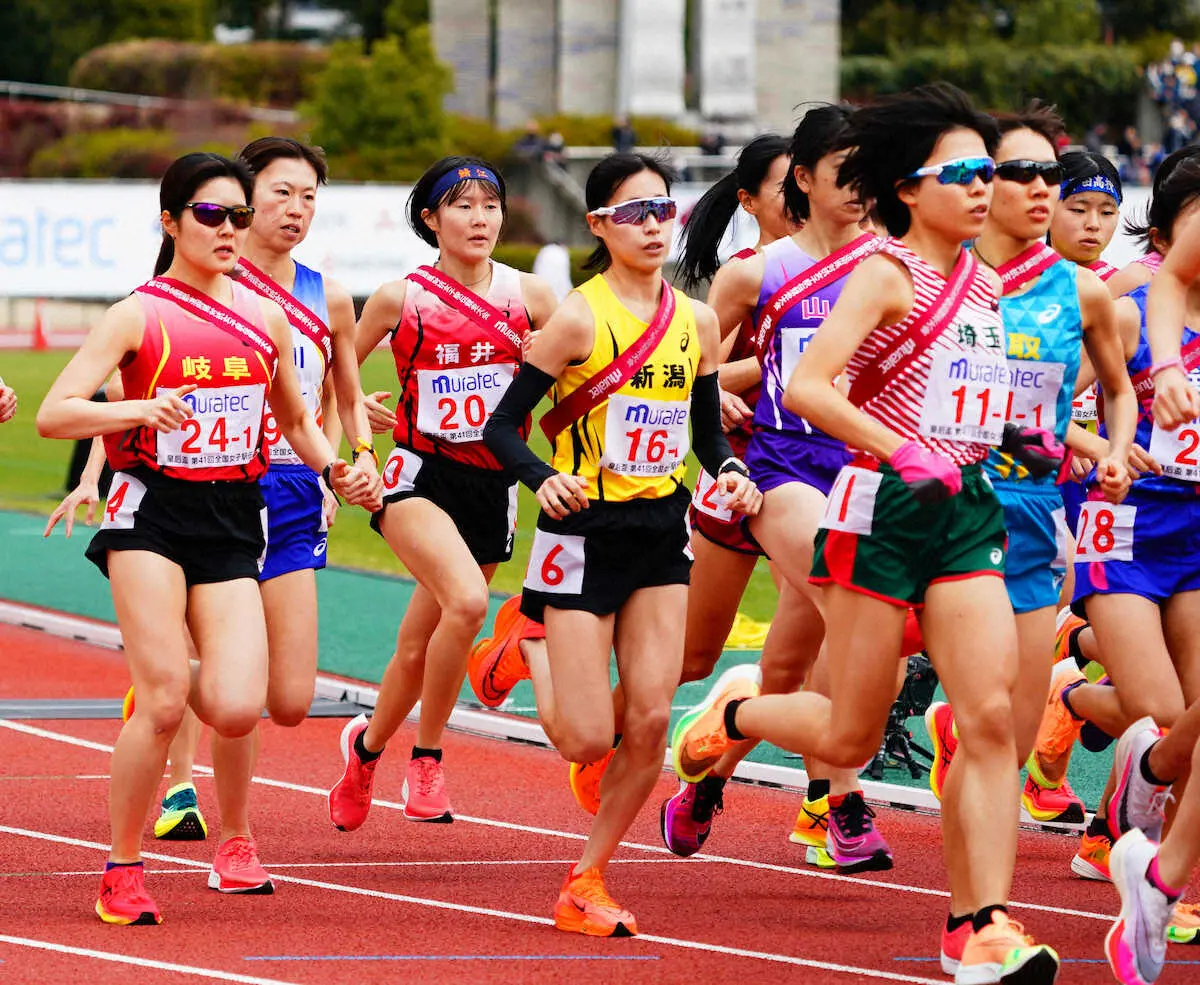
<point>804,284</point>
<point>1103,269</point>
<point>920,335</point>
<point>1143,382</point>
<point>212,311</point>
<point>744,254</point>
<point>470,305</point>
<point>1026,266</point>
<point>302,318</point>
<point>615,375</point>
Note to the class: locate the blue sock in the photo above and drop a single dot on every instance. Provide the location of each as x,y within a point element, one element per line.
<point>121,865</point>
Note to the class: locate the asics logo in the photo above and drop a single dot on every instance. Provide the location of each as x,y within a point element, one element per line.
<point>1049,314</point>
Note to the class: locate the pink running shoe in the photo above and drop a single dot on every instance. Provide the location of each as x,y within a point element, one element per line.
<point>123,898</point>
<point>852,841</point>
<point>350,799</point>
<point>686,818</point>
<point>236,869</point>
<point>953,944</point>
<point>424,793</point>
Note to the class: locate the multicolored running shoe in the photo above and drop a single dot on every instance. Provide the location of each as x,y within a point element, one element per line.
<point>686,818</point>
<point>350,798</point>
<point>1003,952</point>
<point>700,738</point>
<point>1057,804</point>
<point>939,723</point>
<point>124,900</point>
<point>1091,861</point>
<point>954,942</point>
<point>851,839</point>
<point>1059,729</point>
<point>812,823</point>
<point>584,907</point>
<point>1136,946</point>
<point>181,819</point>
<point>1184,927</point>
<point>1136,803</point>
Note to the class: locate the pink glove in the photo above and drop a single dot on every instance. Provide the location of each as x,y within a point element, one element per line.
<point>1038,450</point>
<point>930,477</point>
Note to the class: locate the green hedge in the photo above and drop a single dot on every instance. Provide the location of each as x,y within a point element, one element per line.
<point>265,73</point>
<point>1087,82</point>
<point>116,153</point>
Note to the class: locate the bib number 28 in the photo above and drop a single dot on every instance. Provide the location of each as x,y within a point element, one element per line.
<point>1105,532</point>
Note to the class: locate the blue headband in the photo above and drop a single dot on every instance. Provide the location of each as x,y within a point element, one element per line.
<point>456,176</point>
<point>1096,183</point>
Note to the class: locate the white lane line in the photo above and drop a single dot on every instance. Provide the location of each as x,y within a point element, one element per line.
<point>179,969</point>
<point>194,867</point>
<point>484,911</point>
<point>572,836</point>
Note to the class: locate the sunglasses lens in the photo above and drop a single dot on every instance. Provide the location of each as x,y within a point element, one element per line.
<point>241,217</point>
<point>1027,172</point>
<point>208,214</point>
<point>629,213</point>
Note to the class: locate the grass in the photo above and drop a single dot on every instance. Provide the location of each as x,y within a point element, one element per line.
<point>35,470</point>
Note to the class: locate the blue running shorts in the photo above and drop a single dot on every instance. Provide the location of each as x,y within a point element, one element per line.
<point>296,531</point>
<point>1030,575</point>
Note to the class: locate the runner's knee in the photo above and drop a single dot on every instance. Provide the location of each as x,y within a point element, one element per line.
<point>234,718</point>
<point>164,705</point>
<point>645,731</point>
<point>986,724</point>
<point>467,609</point>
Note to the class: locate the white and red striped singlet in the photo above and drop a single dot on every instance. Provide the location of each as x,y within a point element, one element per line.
<point>977,326</point>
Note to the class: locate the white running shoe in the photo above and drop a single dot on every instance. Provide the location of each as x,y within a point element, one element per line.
<point>1136,945</point>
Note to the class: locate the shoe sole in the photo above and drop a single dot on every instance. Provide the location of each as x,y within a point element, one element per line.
<point>1086,870</point>
<point>1040,969</point>
<point>813,854</point>
<point>949,965</point>
<point>145,919</point>
<point>880,861</point>
<point>188,826</point>
<point>446,818</point>
<point>1072,815</point>
<point>263,889</point>
<point>662,827</point>
<point>697,712</point>
<point>590,929</point>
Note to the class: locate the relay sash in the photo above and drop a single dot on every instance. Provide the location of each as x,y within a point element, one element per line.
<point>1104,269</point>
<point>470,305</point>
<point>1026,266</point>
<point>201,306</point>
<point>303,319</point>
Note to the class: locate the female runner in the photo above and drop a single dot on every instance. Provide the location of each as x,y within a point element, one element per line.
<point>918,333</point>
<point>450,507</point>
<point>182,534</point>
<point>630,361</point>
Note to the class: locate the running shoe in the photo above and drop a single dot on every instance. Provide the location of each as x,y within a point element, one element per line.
<point>1092,737</point>
<point>1058,804</point>
<point>1184,927</point>
<point>127,705</point>
<point>1003,952</point>
<point>181,819</point>
<point>1136,946</point>
<point>1136,803</point>
<point>495,664</point>
<point>350,799</point>
<point>1065,624</point>
<point>236,869</point>
<point>585,779</point>
<point>1060,726</point>
<point>851,839</point>
<point>1091,861</point>
<point>123,898</point>
<point>584,907</point>
<point>954,942</point>
<point>700,738</point>
<point>812,821</point>
<point>686,818</point>
<point>939,723</point>
<point>424,792</point>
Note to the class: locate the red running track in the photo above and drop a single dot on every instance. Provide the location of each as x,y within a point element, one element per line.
<point>470,901</point>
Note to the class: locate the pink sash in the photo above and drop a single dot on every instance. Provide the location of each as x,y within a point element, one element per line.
<point>302,318</point>
<point>470,305</point>
<point>1026,266</point>
<point>212,311</point>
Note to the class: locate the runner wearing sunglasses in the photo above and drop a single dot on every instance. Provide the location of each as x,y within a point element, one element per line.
<point>1051,310</point>
<point>785,292</point>
<point>449,506</point>
<point>913,521</point>
<point>630,362</point>
<point>182,535</point>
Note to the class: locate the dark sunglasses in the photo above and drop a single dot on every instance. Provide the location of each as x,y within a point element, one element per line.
<point>960,171</point>
<point>209,214</point>
<point>1026,172</point>
<point>636,210</point>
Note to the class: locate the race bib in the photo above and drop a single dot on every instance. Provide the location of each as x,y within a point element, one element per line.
<point>455,404</point>
<point>1178,451</point>
<point>1083,407</point>
<point>792,342</point>
<point>967,397</point>
<point>310,368</point>
<point>555,563</point>
<point>400,471</point>
<point>708,500</point>
<point>224,429</point>
<point>1105,532</point>
<point>1033,394</point>
<point>851,504</point>
<point>645,437</point>
<point>1062,540</point>
<point>124,499</point>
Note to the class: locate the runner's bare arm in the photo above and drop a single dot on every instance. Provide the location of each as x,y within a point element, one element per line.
<point>734,291</point>
<point>1175,399</point>
<point>540,300</point>
<point>1103,342</point>
<point>86,493</point>
<point>347,396</point>
<point>877,293</point>
<point>379,316</point>
<point>8,402</point>
<point>68,410</point>
<point>740,375</point>
<point>1129,324</point>
<point>567,337</point>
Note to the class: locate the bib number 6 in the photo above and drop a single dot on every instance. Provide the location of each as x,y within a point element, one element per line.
<point>1105,532</point>
<point>556,564</point>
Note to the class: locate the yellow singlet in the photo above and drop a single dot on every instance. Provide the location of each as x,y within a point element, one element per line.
<point>633,445</point>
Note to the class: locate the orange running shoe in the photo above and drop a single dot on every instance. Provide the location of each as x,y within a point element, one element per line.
<point>123,897</point>
<point>127,705</point>
<point>1066,623</point>
<point>1003,952</point>
<point>939,723</point>
<point>495,664</point>
<point>584,907</point>
<point>585,781</point>
<point>700,738</point>
<point>1184,927</point>
<point>1091,861</point>
<point>1060,726</point>
<point>1059,804</point>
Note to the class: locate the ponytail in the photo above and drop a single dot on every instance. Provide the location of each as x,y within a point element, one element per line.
<point>166,255</point>
<point>704,229</point>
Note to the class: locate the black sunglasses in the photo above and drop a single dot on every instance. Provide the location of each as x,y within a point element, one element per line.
<point>1026,172</point>
<point>209,214</point>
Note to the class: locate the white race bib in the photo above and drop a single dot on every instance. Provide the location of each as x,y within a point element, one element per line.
<point>309,361</point>
<point>125,497</point>
<point>851,504</point>
<point>224,428</point>
<point>1105,532</point>
<point>645,437</point>
<point>555,563</point>
<point>1033,393</point>
<point>707,499</point>
<point>400,471</point>
<point>454,404</point>
<point>1083,407</point>
<point>967,397</point>
<point>792,341</point>
<point>1178,451</point>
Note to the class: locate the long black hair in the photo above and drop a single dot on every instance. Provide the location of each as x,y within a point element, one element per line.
<point>422,193</point>
<point>605,178</point>
<point>891,139</point>
<point>710,216</point>
<point>180,183</point>
<point>820,131</point>
<point>1176,185</point>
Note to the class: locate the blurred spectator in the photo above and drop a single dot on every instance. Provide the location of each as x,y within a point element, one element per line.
<point>1096,138</point>
<point>530,145</point>
<point>623,137</point>
<point>712,144</point>
<point>555,150</point>
<point>553,264</point>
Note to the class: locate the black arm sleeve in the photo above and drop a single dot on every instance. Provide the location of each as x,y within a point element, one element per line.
<point>708,440</point>
<point>502,433</point>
